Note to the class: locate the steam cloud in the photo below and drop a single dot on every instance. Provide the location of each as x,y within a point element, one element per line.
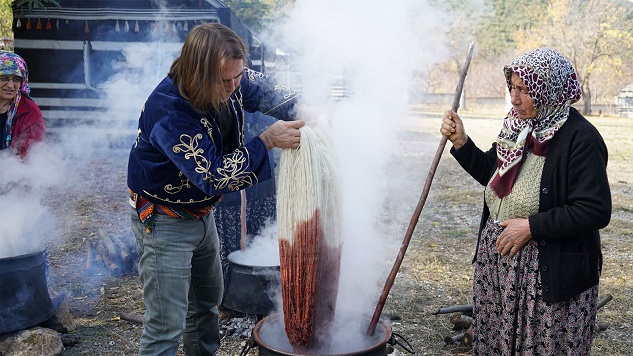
<point>25,223</point>
<point>262,250</point>
<point>63,164</point>
<point>376,47</point>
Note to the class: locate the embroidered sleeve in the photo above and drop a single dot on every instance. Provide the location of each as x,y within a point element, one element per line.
<point>191,148</point>
<point>265,94</point>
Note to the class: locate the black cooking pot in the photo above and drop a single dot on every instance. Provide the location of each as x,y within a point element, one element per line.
<point>24,298</point>
<point>269,336</point>
<point>250,289</point>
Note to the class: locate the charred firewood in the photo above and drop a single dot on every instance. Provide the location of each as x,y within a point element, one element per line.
<point>602,302</point>
<point>453,339</point>
<point>111,249</point>
<point>461,322</point>
<point>126,251</point>
<point>602,326</point>
<point>465,308</point>
<point>468,308</point>
<point>112,254</point>
<point>465,338</point>
<point>108,260</point>
<point>89,256</point>
<point>135,318</point>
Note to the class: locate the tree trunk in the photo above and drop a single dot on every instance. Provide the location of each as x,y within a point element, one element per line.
<point>586,93</point>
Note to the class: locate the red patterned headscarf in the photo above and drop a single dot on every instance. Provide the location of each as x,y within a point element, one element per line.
<point>553,86</point>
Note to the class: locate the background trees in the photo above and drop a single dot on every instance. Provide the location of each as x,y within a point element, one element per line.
<point>596,35</point>
<point>5,18</point>
<point>257,14</point>
<point>6,12</point>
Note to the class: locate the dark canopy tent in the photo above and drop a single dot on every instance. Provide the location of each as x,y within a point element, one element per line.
<point>97,19</point>
<point>70,49</point>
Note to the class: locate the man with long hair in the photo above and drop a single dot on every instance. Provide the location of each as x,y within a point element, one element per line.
<point>190,149</point>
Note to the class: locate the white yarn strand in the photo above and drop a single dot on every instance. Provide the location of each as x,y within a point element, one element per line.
<point>307,182</point>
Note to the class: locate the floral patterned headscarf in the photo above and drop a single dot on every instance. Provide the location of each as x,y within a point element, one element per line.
<point>12,64</point>
<point>553,86</point>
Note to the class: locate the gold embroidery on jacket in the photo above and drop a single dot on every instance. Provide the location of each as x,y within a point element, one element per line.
<point>189,146</point>
<point>208,126</point>
<point>178,201</point>
<point>251,74</point>
<point>233,175</point>
<point>238,111</point>
<point>291,94</point>
<point>184,183</point>
<point>288,93</point>
<point>138,138</point>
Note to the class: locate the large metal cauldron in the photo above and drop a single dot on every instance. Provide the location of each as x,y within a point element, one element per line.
<point>266,335</point>
<point>24,298</point>
<point>250,289</point>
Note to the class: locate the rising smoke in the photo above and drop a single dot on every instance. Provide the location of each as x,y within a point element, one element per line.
<point>25,223</point>
<point>375,46</point>
<point>262,249</point>
<point>66,165</point>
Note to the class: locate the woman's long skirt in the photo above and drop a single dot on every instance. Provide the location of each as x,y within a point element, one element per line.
<point>510,316</point>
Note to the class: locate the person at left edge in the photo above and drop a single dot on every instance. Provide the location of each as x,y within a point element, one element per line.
<point>189,150</point>
<point>21,121</point>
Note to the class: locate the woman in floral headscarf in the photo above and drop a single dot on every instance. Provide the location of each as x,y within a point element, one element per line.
<point>538,257</point>
<point>21,121</point>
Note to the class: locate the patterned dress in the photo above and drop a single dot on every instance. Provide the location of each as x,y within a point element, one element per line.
<point>510,316</point>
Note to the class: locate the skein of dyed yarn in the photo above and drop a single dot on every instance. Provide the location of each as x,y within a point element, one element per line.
<point>309,224</point>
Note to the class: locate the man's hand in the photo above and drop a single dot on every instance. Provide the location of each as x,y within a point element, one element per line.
<point>283,134</point>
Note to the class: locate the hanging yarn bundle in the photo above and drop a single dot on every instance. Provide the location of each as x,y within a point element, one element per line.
<point>309,224</point>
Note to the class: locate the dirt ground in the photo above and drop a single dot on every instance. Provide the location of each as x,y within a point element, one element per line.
<point>436,271</point>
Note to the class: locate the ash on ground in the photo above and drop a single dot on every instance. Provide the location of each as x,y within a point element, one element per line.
<point>238,326</point>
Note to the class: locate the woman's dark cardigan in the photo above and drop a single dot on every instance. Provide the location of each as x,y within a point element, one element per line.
<point>574,203</point>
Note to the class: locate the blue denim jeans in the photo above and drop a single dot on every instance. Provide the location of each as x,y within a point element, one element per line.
<point>181,274</point>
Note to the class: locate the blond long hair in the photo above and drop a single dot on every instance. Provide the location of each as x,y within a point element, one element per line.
<point>198,69</point>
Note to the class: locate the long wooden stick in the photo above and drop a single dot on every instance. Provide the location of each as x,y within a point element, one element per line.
<point>468,308</point>
<point>418,210</point>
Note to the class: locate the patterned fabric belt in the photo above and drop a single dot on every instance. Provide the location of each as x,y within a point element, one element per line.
<point>146,209</point>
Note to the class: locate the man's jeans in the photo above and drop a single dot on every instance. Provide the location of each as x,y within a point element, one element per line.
<point>181,274</point>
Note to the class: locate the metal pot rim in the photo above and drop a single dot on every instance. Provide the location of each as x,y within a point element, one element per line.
<point>23,256</point>
<point>382,343</point>
<point>232,259</point>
